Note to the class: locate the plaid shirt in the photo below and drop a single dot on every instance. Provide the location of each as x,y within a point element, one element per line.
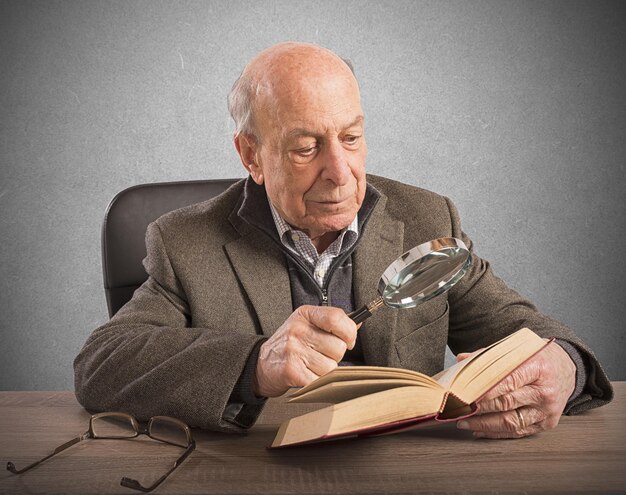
<point>300,244</point>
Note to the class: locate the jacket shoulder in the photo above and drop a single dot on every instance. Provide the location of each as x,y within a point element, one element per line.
<point>407,202</point>
<point>211,216</point>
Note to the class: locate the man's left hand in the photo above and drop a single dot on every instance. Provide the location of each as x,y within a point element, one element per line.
<point>529,400</point>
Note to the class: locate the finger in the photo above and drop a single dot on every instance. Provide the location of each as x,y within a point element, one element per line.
<point>332,320</point>
<point>305,377</point>
<point>300,376</point>
<point>524,396</point>
<point>329,345</point>
<point>318,363</point>
<point>512,382</point>
<point>508,424</point>
<point>528,372</point>
<point>531,430</point>
<point>462,355</point>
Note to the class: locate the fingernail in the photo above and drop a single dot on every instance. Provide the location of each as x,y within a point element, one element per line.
<point>462,425</point>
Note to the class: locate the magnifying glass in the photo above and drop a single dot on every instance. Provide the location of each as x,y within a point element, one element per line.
<point>418,275</point>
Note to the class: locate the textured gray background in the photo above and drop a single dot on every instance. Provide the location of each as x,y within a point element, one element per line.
<point>513,109</point>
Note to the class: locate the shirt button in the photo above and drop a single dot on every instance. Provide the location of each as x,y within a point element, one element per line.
<point>295,237</point>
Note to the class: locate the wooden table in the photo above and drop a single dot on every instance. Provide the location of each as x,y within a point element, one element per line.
<point>584,454</point>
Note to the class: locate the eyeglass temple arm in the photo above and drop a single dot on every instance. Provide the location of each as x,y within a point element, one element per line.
<point>11,467</point>
<point>135,485</point>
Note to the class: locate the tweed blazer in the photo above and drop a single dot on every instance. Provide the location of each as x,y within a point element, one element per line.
<point>217,286</point>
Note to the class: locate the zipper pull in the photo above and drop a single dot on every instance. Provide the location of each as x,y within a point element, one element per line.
<point>324,298</point>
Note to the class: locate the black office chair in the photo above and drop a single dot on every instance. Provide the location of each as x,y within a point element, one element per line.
<point>125,224</point>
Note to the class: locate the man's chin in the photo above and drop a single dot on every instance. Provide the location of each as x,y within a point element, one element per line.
<point>328,210</point>
<point>334,223</point>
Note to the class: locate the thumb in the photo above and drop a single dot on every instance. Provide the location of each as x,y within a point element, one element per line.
<point>462,355</point>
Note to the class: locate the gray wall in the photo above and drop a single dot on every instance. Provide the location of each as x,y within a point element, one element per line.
<point>513,109</point>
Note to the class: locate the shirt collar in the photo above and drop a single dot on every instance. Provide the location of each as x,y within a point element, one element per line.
<point>284,229</point>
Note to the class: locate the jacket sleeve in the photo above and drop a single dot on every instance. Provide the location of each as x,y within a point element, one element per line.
<point>148,360</point>
<point>483,310</point>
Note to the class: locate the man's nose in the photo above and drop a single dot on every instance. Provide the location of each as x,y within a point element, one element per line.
<point>336,165</point>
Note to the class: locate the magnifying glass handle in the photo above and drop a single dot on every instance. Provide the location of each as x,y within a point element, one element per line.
<point>366,311</point>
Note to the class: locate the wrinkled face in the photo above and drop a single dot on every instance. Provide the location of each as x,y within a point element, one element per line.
<point>311,152</point>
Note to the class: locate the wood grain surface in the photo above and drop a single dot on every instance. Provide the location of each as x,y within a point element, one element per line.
<point>584,454</point>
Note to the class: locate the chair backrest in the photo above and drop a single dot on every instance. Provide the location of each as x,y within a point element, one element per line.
<point>125,224</point>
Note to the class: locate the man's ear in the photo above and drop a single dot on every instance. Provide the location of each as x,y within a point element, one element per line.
<point>247,147</point>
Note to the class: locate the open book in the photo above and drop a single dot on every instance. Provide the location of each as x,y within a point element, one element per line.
<point>372,400</point>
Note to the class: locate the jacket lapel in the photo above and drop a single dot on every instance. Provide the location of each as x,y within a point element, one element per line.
<point>381,244</point>
<point>261,268</point>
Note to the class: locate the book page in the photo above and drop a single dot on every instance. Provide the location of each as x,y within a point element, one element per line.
<point>336,392</point>
<point>351,373</point>
<point>488,368</point>
<point>447,376</point>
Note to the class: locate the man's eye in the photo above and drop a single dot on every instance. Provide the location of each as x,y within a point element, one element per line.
<point>351,140</point>
<point>306,151</point>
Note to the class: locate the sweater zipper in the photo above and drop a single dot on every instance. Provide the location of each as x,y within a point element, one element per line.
<point>324,297</point>
<point>323,291</point>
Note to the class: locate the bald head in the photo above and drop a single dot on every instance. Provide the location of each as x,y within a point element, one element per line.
<point>284,72</point>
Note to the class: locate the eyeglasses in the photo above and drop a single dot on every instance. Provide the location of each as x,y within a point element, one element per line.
<point>116,426</point>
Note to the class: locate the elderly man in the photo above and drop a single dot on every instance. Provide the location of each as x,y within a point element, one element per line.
<point>247,293</point>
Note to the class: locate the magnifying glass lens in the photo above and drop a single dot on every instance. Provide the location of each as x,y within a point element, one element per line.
<point>418,275</point>
<point>426,277</point>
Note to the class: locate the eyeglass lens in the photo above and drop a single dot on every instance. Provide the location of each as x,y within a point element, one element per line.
<point>168,431</point>
<point>113,426</point>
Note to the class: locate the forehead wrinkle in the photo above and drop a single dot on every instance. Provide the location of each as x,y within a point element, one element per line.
<point>304,131</point>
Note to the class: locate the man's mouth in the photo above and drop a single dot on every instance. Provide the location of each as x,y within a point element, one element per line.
<point>331,201</point>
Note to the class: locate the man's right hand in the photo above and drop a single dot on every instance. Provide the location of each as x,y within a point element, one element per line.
<point>308,345</point>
